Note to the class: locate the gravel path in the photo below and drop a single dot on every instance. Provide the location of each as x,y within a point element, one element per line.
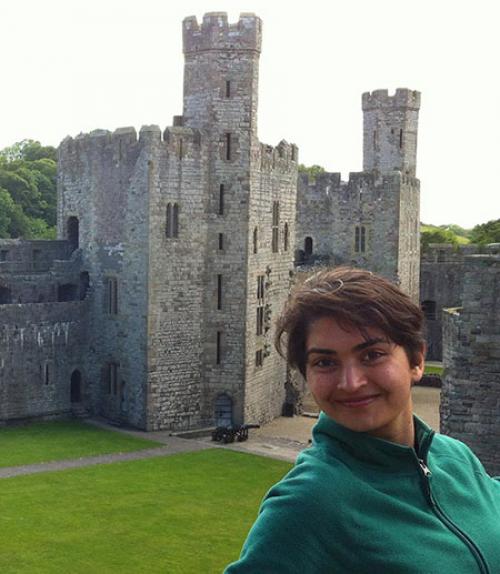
<point>282,438</point>
<point>174,445</point>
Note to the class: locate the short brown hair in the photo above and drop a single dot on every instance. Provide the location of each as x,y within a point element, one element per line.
<point>354,298</point>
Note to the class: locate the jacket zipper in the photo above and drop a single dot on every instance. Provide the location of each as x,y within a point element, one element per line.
<point>426,473</point>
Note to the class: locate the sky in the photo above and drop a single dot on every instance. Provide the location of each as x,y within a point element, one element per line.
<point>71,66</point>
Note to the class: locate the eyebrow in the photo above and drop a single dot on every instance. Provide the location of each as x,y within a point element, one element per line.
<point>359,347</point>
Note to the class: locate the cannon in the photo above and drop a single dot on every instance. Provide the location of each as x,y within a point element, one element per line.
<point>231,433</point>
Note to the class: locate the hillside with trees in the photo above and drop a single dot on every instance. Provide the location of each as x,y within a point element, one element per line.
<point>28,191</point>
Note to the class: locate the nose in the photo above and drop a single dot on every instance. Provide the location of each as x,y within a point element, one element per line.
<point>352,378</point>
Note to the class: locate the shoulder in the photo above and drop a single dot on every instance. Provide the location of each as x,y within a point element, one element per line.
<point>297,521</point>
<point>453,452</point>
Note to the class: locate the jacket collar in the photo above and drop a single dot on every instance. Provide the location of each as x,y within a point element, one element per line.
<point>348,444</point>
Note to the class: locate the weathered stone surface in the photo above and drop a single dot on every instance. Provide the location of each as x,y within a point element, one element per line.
<point>470,395</point>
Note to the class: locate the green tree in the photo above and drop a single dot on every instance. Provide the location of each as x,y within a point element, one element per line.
<point>28,174</point>
<point>436,235</point>
<point>486,232</point>
<point>312,171</point>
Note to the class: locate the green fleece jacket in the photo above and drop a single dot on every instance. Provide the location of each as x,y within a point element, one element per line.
<point>355,504</point>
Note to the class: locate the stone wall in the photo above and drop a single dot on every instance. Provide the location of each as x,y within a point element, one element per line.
<point>470,395</point>
<point>41,346</point>
<point>442,274</point>
<point>103,183</point>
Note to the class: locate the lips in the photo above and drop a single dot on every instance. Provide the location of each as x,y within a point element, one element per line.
<point>358,401</point>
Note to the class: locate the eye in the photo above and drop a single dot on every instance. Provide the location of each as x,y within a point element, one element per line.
<point>323,363</point>
<point>373,356</point>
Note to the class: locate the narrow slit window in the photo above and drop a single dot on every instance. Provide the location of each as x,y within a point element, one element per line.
<point>175,220</point>
<point>228,88</point>
<point>260,320</point>
<point>258,358</point>
<point>112,295</point>
<point>275,226</point>
<point>181,149</point>
<point>218,351</point>
<point>168,220</point>
<point>255,239</point>
<point>228,146</point>
<point>221,241</point>
<point>47,374</point>
<point>400,138</point>
<point>285,237</point>
<point>219,292</point>
<point>221,199</point>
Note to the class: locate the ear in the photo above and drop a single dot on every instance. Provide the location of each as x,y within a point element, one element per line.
<point>419,367</point>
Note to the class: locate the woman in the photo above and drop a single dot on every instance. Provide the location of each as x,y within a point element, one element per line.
<point>378,491</point>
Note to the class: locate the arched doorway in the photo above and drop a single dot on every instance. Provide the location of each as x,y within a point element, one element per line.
<point>223,410</point>
<point>73,232</point>
<point>76,386</point>
<point>308,246</point>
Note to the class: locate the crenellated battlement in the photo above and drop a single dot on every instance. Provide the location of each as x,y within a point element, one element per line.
<point>403,98</point>
<point>284,156</point>
<point>215,33</point>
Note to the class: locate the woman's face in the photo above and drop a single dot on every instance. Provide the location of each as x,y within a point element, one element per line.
<point>363,382</point>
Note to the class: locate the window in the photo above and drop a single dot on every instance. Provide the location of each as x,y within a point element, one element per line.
<point>228,146</point>
<point>275,226</point>
<point>260,320</point>
<point>260,287</point>
<point>181,149</point>
<point>400,138</point>
<point>258,358</point>
<point>360,239</point>
<point>285,237</point>
<point>112,378</point>
<point>221,241</point>
<point>46,374</point>
<point>172,220</point>
<point>175,220</point>
<point>255,239</point>
<point>112,295</point>
<point>3,254</point>
<point>219,292</point>
<point>218,350</point>
<point>221,199</point>
<point>228,88</point>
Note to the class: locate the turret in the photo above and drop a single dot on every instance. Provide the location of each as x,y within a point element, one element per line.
<point>221,72</point>
<point>390,126</point>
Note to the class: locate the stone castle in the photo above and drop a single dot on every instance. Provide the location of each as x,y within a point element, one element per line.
<point>177,250</point>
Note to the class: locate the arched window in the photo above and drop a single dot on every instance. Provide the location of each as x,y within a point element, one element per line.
<point>73,232</point>
<point>223,410</point>
<point>76,388</point>
<point>308,246</point>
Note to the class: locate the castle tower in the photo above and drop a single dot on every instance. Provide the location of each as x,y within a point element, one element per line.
<point>251,192</point>
<point>221,73</point>
<point>390,125</point>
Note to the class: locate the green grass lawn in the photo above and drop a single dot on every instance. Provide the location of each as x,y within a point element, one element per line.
<point>44,442</point>
<point>433,370</point>
<point>180,514</point>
